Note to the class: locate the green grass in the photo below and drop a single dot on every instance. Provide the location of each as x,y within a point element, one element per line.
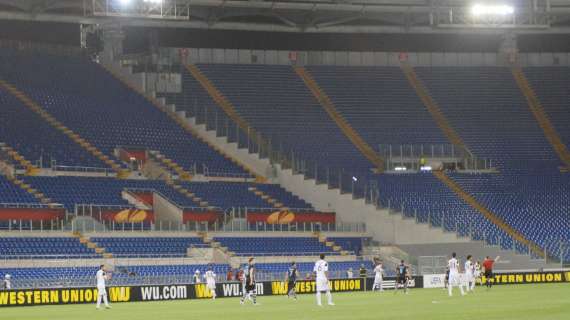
<point>546,301</point>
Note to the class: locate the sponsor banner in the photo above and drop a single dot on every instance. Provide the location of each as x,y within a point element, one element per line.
<point>529,277</point>
<point>33,297</point>
<point>390,282</point>
<point>209,216</point>
<point>34,214</point>
<point>434,280</point>
<point>286,217</point>
<point>310,286</point>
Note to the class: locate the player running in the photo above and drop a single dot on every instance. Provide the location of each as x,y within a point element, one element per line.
<point>378,276</point>
<point>291,278</point>
<point>469,278</point>
<point>211,281</point>
<point>488,264</point>
<point>454,277</point>
<point>101,277</point>
<point>322,271</point>
<point>402,277</point>
<point>250,292</point>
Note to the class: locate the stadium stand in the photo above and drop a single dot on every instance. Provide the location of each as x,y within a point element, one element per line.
<point>293,246</point>
<point>36,140</point>
<point>70,190</point>
<point>44,248</point>
<point>534,204</point>
<point>112,115</point>
<point>485,105</point>
<point>290,117</point>
<point>550,85</point>
<point>10,193</point>
<point>389,111</point>
<point>147,246</point>
<point>427,199</point>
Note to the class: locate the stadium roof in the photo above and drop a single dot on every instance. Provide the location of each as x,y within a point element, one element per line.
<point>366,16</point>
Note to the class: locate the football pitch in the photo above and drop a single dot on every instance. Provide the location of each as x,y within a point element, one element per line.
<point>546,301</point>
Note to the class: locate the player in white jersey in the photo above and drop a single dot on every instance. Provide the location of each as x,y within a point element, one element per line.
<point>211,281</point>
<point>454,277</point>
<point>477,273</point>
<point>102,277</point>
<point>469,277</point>
<point>197,277</point>
<point>322,271</point>
<point>378,276</point>
<point>7,284</point>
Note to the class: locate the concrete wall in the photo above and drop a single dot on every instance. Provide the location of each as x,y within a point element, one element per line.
<point>166,211</point>
<point>346,58</point>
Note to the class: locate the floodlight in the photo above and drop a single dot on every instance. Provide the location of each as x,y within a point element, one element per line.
<point>124,2</point>
<point>354,179</point>
<point>479,10</point>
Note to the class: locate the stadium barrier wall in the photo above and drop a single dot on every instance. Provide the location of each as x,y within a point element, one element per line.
<point>61,296</point>
<point>515,277</point>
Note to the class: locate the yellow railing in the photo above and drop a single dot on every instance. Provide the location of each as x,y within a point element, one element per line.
<point>32,105</point>
<point>345,127</point>
<point>541,117</point>
<point>431,105</point>
<point>517,236</point>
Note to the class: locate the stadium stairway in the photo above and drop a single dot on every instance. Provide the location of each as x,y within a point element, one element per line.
<point>452,185</point>
<point>159,103</point>
<point>382,224</point>
<point>92,245</point>
<point>224,103</point>
<point>341,122</point>
<point>541,117</point>
<point>170,165</point>
<point>29,189</point>
<point>114,164</point>
<point>9,151</point>
<point>431,105</point>
<point>267,198</point>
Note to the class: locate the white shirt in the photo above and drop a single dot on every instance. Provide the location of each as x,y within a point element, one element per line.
<point>378,270</point>
<point>7,284</point>
<point>321,267</point>
<point>210,276</point>
<point>197,278</point>
<point>101,277</point>
<point>453,265</point>
<point>468,266</point>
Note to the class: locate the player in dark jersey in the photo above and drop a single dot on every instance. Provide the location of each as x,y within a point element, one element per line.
<point>446,280</point>
<point>250,283</point>
<point>292,275</point>
<point>402,277</point>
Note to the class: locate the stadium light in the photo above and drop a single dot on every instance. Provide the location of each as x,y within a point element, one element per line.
<point>124,2</point>
<point>152,1</point>
<point>479,10</point>
<point>354,179</point>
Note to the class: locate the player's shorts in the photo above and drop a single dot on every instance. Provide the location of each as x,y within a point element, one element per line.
<point>291,285</point>
<point>477,274</point>
<point>488,274</point>
<point>468,277</point>
<point>250,287</point>
<point>101,291</point>
<point>447,276</point>
<point>454,279</point>
<point>401,279</point>
<point>323,285</point>
<point>211,285</point>
<point>377,279</point>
